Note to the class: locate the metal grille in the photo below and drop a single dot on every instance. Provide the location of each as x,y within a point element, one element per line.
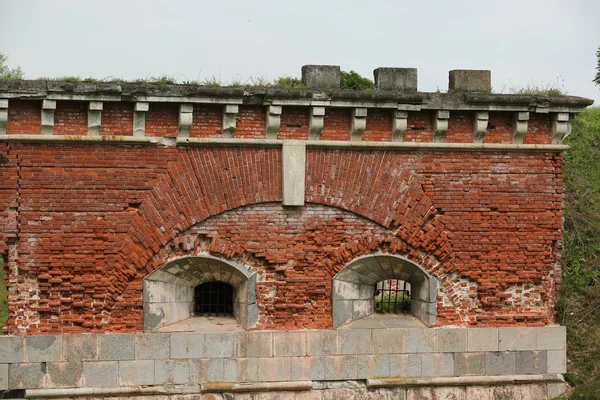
<point>392,296</point>
<point>213,298</point>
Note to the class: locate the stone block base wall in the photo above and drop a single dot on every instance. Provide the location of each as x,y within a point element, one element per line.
<point>410,359</point>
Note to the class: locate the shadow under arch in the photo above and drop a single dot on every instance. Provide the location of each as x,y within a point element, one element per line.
<point>168,291</point>
<point>353,287</point>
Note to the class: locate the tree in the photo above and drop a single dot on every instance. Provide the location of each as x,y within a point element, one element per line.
<point>7,73</point>
<point>354,81</point>
<point>597,78</point>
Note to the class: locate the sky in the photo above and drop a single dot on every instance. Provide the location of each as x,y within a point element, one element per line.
<point>526,42</point>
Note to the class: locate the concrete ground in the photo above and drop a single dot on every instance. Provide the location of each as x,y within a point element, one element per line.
<point>229,324</point>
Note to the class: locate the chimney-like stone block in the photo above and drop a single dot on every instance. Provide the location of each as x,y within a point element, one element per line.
<point>321,76</point>
<point>395,79</point>
<point>470,80</point>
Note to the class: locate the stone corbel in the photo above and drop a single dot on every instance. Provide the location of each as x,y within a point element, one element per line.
<point>399,124</point>
<point>273,121</point>
<point>230,112</point>
<point>139,118</point>
<point>561,127</point>
<point>94,117</point>
<point>3,115</point>
<point>48,107</point>
<point>440,125</point>
<point>480,124</point>
<point>315,123</point>
<point>359,123</point>
<point>186,116</point>
<point>520,126</point>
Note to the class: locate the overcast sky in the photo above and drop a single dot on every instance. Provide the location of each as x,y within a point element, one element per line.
<point>545,42</point>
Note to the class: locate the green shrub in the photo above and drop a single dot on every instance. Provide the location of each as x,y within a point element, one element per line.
<point>354,81</point>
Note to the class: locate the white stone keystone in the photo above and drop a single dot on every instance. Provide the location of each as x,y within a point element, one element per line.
<point>520,126</point>
<point>399,124</point>
<point>94,117</point>
<point>230,112</point>
<point>480,124</point>
<point>186,116</point>
<point>3,116</point>
<point>139,118</point>
<point>561,127</point>
<point>440,125</point>
<point>359,123</point>
<point>315,123</point>
<point>293,173</point>
<point>48,107</point>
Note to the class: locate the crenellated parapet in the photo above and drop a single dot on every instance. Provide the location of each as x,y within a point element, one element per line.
<point>190,112</point>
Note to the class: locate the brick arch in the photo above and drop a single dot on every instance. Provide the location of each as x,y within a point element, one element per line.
<point>203,182</point>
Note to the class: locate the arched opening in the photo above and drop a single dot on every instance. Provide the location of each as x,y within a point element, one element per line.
<point>213,298</point>
<point>202,285</point>
<point>357,289</point>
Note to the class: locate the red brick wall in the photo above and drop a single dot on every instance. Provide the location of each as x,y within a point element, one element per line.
<point>379,126</point>
<point>537,129</point>
<point>294,123</point>
<point>251,122</point>
<point>162,119</point>
<point>82,224</point>
<point>117,119</point>
<point>336,124</point>
<point>24,117</point>
<point>207,121</point>
<point>70,118</point>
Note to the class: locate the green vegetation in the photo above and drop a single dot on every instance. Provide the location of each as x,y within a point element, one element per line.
<point>579,302</point>
<point>555,88</point>
<point>3,296</point>
<point>7,73</point>
<point>354,81</point>
<point>387,303</point>
<point>596,80</point>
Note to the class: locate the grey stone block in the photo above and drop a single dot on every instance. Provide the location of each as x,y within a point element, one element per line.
<point>469,364</point>
<point>65,374</point>
<point>274,369</point>
<point>373,366</point>
<point>452,340</point>
<point>525,392</point>
<point>337,368</point>
<point>531,362</point>
<point>500,363</point>
<point>321,76</point>
<point>100,373</point>
<point>420,340</point>
<point>287,344</point>
<point>387,341</point>
<point>354,341</point>
<point>520,338</point>
<point>11,348</point>
<point>470,80</point>
<point>478,392</point>
<point>240,370</point>
<point>26,375</point>
<point>557,361</point>
<point>406,365</point>
<point>551,338</point>
<point>396,79</point>
<point>187,345</point>
<point>43,348</point>
<point>206,370</point>
<point>137,372</point>
<point>172,372</point>
<point>301,368</point>
<point>437,364</point>
<point>219,345</point>
<point>321,343</point>
<point>293,156</point>
<point>255,344</point>
<point>426,393</point>
<point>482,339</point>
<point>341,312</point>
<point>152,346</point>
<point>556,389</point>
<point>3,376</point>
<point>80,347</point>
<point>116,347</point>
